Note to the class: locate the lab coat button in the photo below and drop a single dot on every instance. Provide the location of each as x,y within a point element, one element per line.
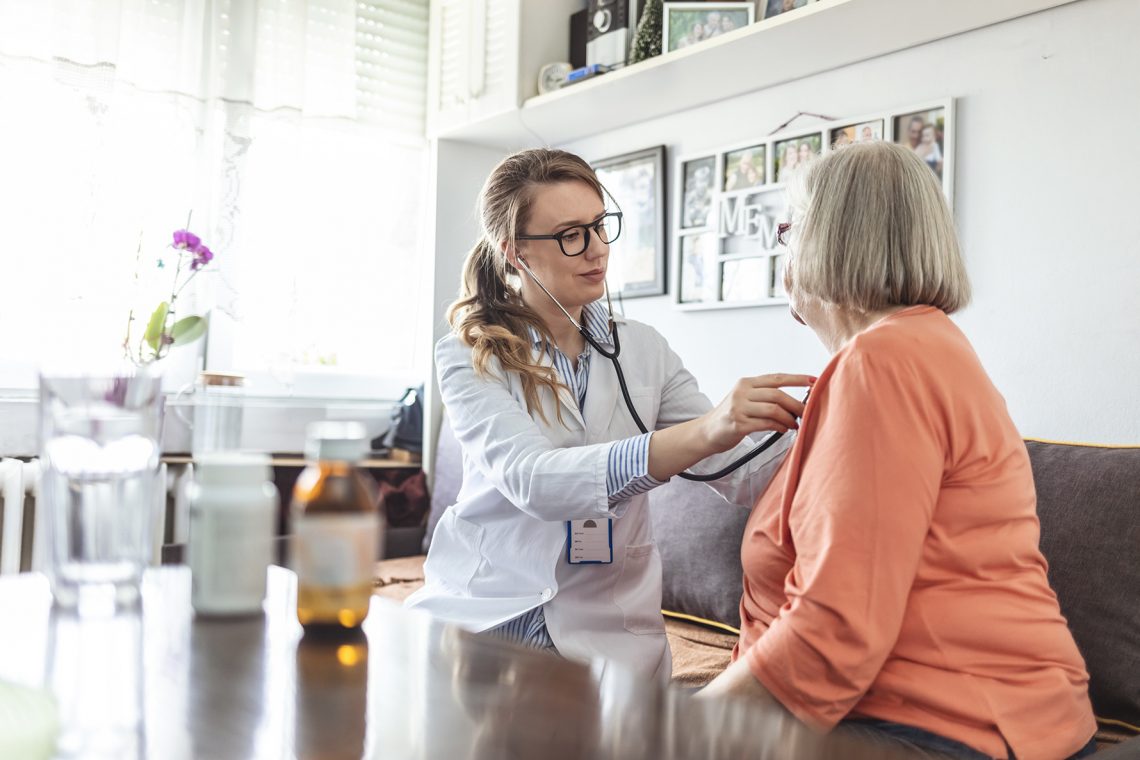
<point>546,594</point>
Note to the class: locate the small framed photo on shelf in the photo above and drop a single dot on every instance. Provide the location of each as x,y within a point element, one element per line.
<point>773,8</point>
<point>745,169</point>
<point>867,131</point>
<point>636,181</point>
<point>687,24</point>
<point>795,151</point>
<point>698,177</point>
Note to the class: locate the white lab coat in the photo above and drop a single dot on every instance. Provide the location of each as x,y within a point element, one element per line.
<point>501,549</point>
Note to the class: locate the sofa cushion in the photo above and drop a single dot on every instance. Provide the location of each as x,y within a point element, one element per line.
<point>447,477</point>
<point>1088,500</point>
<point>698,534</point>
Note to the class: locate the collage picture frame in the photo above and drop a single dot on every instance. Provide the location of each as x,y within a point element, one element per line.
<point>728,202</point>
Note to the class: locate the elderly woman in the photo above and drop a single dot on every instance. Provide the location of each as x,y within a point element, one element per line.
<point>892,580</point>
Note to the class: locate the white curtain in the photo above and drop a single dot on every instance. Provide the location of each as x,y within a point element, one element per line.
<point>291,130</point>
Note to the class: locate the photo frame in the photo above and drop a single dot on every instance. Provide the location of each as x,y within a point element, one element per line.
<point>698,270</point>
<point>687,24</point>
<point>745,168</point>
<point>866,131</point>
<point>925,130</point>
<point>636,181</point>
<point>790,152</point>
<point>773,8</point>
<point>698,180</point>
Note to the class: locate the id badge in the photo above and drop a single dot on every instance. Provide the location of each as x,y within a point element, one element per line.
<point>590,542</point>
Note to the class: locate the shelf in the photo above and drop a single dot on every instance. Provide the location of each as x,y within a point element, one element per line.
<point>819,37</point>
<point>295,460</point>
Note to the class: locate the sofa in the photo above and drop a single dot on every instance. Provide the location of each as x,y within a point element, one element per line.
<point>1089,506</point>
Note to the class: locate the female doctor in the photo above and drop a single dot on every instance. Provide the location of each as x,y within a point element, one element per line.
<point>549,543</point>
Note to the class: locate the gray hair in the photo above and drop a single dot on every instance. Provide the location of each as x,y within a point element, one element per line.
<point>871,230</point>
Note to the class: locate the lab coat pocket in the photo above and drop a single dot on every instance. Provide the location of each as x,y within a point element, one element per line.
<point>647,402</point>
<point>458,546</point>
<point>638,590</point>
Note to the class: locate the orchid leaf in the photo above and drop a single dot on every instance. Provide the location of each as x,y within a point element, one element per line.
<point>154,328</point>
<point>187,330</point>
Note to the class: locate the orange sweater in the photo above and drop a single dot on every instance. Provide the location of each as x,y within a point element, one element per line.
<point>892,570</point>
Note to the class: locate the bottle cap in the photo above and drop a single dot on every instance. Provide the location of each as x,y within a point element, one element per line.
<point>232,468</point>
<point>336,441</point>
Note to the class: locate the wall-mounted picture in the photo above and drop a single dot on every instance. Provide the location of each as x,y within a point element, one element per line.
<point>687,24</point>
<point>924,132</point>
<point>776,7</point>
<point>744,168</point>
<point>794,152</point>
<point>637,258</point>
<point>698,177</point>
<point>745,280</point>
<point>700,278</point>
<point>868,131</point>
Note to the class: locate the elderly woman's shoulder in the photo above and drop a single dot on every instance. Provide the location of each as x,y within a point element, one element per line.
<point>914,336</point>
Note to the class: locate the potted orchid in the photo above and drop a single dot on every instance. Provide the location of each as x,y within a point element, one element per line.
<point>164,330</point>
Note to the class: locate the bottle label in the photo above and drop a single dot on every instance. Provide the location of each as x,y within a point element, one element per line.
<point>229,553</point>
<point>336,550</point>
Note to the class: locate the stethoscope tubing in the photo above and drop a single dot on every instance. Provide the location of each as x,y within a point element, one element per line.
<point>613,357</point>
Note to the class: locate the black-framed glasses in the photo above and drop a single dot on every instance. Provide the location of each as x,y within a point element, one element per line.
<point>575,240</point>
<point>782,230</point>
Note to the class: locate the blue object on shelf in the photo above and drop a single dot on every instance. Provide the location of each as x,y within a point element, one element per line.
<point>577,75</point>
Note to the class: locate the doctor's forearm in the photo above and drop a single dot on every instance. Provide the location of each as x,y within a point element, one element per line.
<point>677,448</point>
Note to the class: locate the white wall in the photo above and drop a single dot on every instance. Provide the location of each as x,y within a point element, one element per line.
<point>1047,201</point>
<point>458,172</point>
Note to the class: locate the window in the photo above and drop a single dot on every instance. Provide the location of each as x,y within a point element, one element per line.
<point>293,132</point>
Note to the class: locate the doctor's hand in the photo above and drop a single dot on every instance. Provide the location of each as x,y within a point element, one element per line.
<point>755,404</point>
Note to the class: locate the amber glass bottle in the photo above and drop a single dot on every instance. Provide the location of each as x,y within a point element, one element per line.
<point>337,528</point>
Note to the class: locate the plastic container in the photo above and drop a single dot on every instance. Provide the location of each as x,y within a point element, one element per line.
<point>233,511</point>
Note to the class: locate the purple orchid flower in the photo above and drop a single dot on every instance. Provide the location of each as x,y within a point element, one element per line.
<point>186,240</point>
<point>202,257</point>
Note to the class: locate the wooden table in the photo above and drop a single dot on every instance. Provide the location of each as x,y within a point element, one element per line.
<point>411,688</point>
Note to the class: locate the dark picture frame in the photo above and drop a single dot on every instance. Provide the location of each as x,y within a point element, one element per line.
<point>636,182</point>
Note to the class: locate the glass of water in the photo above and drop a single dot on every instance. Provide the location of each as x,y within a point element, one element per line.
<point>100,440</point>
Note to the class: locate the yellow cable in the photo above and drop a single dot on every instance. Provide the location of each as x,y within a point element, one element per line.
<point>702,621</point>
<point>1122,724</point>
<point>1090,445</point>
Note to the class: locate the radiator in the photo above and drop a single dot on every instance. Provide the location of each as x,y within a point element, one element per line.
<point>23,537</point>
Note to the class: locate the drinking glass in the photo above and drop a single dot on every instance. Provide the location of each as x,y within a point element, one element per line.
<point>99,448</point>
<point>216,399</point>
<point>95,672</point>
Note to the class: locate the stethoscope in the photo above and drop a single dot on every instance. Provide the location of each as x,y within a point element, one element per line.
<point>613,357</point>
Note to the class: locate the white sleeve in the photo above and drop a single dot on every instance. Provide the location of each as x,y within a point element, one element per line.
<point>507,445</point>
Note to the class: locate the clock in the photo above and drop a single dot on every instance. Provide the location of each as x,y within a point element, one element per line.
<point>552,76</point>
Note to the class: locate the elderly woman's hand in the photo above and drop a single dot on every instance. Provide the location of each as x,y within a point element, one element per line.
<point>755,404</point>
<point>737,681</point>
